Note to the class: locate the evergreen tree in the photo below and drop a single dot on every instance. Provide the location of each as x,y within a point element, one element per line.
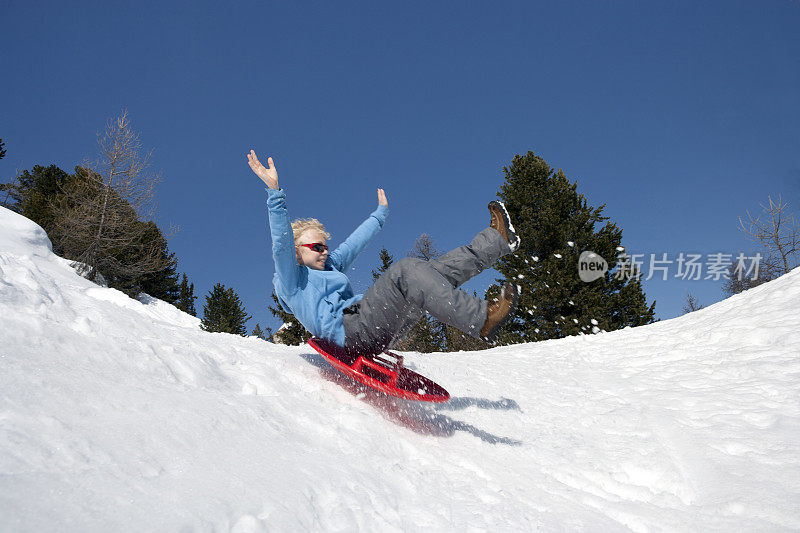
<point>427,335</point>
<point>2,150</point>
<point>224,312</point>
<point>261,334</point>
<point>6,190</point>
<point>294,333</point>
<point>386,260</point>
<point>47,195</point>
<point>556,224</point>
<point>161,284</point>
<point>104,214</point>
<point>38,195</point>
<point>43,195</point>
<point>458,341</point>
<point>186,297</point>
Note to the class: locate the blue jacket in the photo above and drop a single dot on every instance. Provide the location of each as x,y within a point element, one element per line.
<point>316,297</point>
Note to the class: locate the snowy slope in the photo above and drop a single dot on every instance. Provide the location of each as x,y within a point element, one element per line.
<point>123,415</point>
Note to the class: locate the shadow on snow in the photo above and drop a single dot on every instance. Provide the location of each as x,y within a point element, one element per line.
<point>419,417</point>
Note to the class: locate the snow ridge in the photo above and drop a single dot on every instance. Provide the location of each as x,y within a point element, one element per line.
<point>118,414</point>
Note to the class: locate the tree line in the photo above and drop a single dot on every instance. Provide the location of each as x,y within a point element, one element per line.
<point>100,217</point>
<point>556,223</point>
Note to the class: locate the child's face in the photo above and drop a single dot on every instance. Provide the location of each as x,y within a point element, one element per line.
<point>308,257</point>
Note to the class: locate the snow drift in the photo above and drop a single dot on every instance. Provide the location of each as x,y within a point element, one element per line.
<point>122,415</point>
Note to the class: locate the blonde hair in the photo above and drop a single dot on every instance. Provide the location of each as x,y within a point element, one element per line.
<point>301,225</point>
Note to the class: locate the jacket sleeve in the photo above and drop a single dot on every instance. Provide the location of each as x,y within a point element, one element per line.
<point>282,240</point>
<point>346,253</point>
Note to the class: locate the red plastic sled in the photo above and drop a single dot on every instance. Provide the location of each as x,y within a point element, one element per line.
<point>384,372</point>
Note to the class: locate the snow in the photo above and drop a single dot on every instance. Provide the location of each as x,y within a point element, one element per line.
<point>122,415</point>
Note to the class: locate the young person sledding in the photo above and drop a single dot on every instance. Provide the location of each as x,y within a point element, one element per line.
<point>311,283</point>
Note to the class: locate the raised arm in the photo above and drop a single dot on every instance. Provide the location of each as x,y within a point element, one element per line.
<point>283,251</point>
<point>346,253</point>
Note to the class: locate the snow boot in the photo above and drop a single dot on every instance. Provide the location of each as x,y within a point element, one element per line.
<point>502,223</point>
<point>498,312</point>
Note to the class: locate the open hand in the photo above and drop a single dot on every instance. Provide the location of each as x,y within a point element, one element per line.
<point>382,198</point>
<point>268,175</point>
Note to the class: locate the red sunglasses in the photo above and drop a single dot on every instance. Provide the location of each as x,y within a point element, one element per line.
<point>316,246</point>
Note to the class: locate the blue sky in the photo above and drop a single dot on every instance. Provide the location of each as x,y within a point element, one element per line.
<point>679,116</point>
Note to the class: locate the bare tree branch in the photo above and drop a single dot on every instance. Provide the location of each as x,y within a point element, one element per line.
<point>779,235</point>
<point>424,248</point>
<point>103,222</point>
<point>692,303</point>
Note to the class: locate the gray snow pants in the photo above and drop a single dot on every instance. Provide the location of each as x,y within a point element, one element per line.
<point>411,286</point>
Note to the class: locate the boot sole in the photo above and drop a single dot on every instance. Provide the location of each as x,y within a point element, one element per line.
<point>509,226</point>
